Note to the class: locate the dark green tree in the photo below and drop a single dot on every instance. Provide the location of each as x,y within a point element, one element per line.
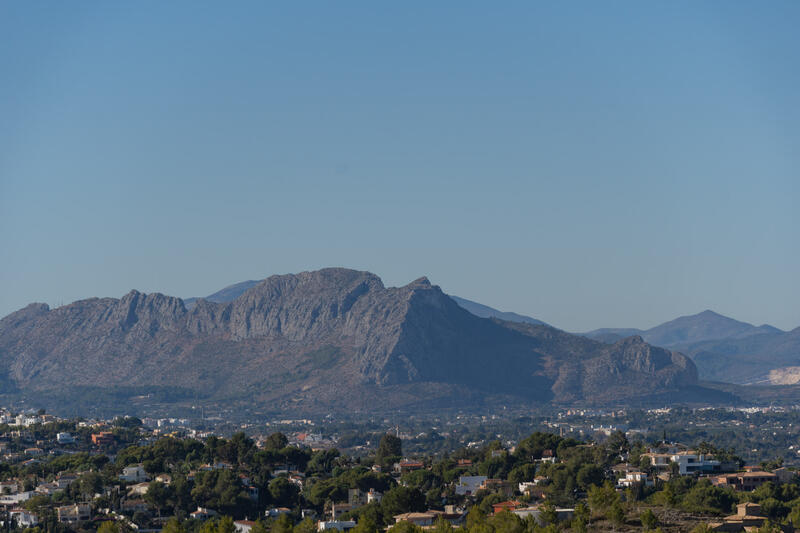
<point>649,520</point>
<point>389,449</point>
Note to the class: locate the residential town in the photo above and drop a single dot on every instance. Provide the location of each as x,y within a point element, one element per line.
<point>149,475</point>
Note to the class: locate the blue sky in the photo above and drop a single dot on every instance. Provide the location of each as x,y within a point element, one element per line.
<point>590,164</point>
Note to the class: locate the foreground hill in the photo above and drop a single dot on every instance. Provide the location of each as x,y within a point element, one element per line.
<point>329,340</point>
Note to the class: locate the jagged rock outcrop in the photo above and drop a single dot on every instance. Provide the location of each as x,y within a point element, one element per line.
<point>330,339</point>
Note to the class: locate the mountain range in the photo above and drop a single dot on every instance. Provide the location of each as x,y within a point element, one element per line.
<point>724,349</point>
<point>329,340</point>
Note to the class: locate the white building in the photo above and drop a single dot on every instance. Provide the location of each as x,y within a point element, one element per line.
<point>24,518</point>
<point>133,474</point>
<point>16,498</point>
<point>65,438</point>
<point>635,478</point>
<point>689,462</point>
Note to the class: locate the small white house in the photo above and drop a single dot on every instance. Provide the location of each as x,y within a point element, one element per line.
<point>133,474</point>
<point>24,518</point>
<point>635,478</point>
<point>373,496</point>
<point>65,438</point>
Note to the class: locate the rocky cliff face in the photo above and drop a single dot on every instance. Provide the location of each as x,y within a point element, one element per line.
<point>333,338</point>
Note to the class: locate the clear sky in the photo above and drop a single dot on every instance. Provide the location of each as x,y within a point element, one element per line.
<point>589,164</point>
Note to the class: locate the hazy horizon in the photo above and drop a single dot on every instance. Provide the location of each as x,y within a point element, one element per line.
<point>589,165</point>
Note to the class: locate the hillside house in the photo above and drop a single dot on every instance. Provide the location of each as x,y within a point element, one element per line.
<point>133,505</point>
<point>16,498</point>
<point>140,489</point>
<point>468,485</point>
<point>133,474</point>
<point>104,438</point>
<point>203,513</point>
<point>632,479</point>
<point>407,466</point>
<point>64,480</point>
<point>747,518</point>
<point>689,462</point>
<point>338,509</point>
<point>23,518</point>
<point>47,489</point>
<point>418,519</point>
<point>548,456</point>
<point>9,487</point>
<point>532,490</point>
<point>744,481</point>
<point>73,514</point>
<point>338,525</point>
<point>509,505</point>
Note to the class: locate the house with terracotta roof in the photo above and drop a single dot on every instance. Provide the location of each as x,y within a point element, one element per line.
<point>509,505</point>
<point>407,466</point>
<point>747,518</point>
<point>548,456</point>
<point>744,481</point>
<point>203,513</point>
<point>418,519</point>
<point>104,438</point>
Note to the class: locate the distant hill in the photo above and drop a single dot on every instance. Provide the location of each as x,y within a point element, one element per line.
<point>484,311</point>
<point>324,341</point>
<point>723,349</point>
<point>225,295</point>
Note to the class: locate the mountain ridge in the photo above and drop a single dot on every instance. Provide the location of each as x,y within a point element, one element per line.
<point>324,340</point>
